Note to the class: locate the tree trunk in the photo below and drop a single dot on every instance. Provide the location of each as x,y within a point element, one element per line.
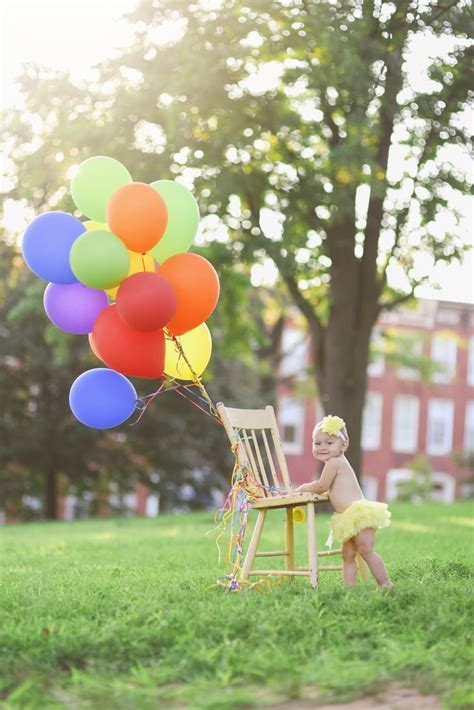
<point>51,495</point>
<point>341,352</point>
<point>342,385</point>
<point>341,379</point>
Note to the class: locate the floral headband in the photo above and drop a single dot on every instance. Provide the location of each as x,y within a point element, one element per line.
<point>334,426</point>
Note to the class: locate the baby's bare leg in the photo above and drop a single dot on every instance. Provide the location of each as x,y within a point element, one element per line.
<point>365,546</point>
<point>349,566</point>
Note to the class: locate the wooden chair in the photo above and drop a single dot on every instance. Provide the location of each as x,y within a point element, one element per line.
<point>254,434</point>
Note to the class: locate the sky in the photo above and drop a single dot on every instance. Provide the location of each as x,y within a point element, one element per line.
<point>73,36</point>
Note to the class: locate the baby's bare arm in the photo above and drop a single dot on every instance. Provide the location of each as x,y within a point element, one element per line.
<point>324,483</point>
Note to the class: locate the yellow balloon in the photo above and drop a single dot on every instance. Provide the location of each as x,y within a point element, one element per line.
<point>138,262</point>
<point>91,226</point>
<point>197,347</point>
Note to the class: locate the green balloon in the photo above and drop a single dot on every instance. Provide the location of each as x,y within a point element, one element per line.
<point>99,259</point>
<point>183,220</point>
<point>94,184</point>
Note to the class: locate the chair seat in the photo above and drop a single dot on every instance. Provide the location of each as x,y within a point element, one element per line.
<point>289,499</point>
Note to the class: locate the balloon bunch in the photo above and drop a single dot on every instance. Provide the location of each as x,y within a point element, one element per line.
<point>125,278</point>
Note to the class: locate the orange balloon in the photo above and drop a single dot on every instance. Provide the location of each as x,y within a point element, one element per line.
<point>138,215</point>
<point>197,289</point>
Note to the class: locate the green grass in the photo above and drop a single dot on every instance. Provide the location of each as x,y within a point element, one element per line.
<point>118,614</point>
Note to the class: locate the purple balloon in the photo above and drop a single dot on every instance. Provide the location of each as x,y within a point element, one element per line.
<point>74,307</point>
<point>47,243</point>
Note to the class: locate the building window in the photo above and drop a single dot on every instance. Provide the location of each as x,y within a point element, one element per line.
<point>443,490</point>
<point>291,424</point>
<point>410,373</point>
<point>130,503</point>
<point>377,361</point>
<point>444,354</point>
<point>469,427</point>
<point>294,345</point>
<point>406,411</point>
<point>372,421</point>
<point>470,362</point>
<point>439,436</point>
<point>152,507</point>
<point>319,413</point>
<point>369,487</point>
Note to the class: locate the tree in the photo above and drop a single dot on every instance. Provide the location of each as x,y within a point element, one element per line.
<point>298,172</point>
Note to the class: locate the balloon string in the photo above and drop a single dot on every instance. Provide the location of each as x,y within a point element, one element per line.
<point>196,379</point>
<point>197,405</point>
<point>150,398</point>
<point>144,402</point>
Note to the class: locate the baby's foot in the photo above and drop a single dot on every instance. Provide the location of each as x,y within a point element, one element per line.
<point>386,585</point>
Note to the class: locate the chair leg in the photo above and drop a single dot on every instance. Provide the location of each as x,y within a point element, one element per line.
<point>289,541</point>
<point>312,550</point>
<point>255,539</point>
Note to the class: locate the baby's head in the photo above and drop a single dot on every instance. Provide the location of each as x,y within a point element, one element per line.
<point>330,438</point>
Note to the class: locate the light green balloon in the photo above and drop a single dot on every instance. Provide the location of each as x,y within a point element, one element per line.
<point>183,220</point>
<point>99,259</point>
<point>94,184</point>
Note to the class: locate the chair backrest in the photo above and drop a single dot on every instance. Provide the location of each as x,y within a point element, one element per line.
<point>255,433</point>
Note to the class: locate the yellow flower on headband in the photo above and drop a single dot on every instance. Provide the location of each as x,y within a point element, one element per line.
<point>332,425</point>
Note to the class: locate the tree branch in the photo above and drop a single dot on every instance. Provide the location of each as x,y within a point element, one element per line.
<point>316,329</point>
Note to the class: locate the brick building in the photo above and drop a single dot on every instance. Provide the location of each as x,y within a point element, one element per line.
<point>404,414</point>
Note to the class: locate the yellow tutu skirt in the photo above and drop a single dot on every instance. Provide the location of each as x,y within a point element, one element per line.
<point>361,514</point>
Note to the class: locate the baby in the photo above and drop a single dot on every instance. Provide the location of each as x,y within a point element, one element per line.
<point>356,519</point>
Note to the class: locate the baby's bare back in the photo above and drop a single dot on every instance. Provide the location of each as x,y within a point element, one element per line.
<point>345,488</point>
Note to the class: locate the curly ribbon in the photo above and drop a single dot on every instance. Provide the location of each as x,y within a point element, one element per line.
<point>245,490</point>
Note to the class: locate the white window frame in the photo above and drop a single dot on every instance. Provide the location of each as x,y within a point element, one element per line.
<point>447,494</point>
<point>405,440</point>
<point>399,475</point>
<point>372,421</point>
<point>409,373</point>
<point>130,501</point>
<point>294,348</point>
<point>376,367</point>
<point>444,353</point>
<point>152,505</point>
<point>69,506</point>
<point>470,362</point>
<point>393,478</point>
<point>440,409</point>
<point>468,443</point>
<point>370,487</point>
<point>291,412</point>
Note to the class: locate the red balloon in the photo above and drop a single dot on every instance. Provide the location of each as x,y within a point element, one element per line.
<point>132,352</point>
<point>197,287</point>
<point>146,301</point>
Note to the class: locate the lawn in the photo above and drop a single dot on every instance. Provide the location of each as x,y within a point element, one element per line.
<point>119,614</point>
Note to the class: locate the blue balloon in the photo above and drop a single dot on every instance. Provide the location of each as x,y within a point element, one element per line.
<point>102,398</point>
<point>46,245</point>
